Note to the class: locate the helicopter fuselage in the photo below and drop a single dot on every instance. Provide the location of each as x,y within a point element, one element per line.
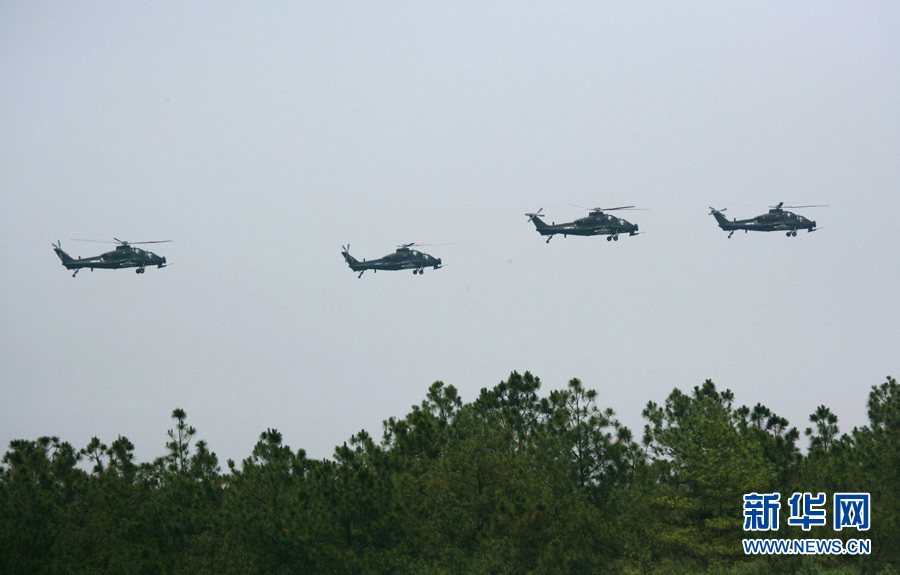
<point>124,256</point>
<point>777,220</point>
<point>402,259</point>
<point>596,224</point>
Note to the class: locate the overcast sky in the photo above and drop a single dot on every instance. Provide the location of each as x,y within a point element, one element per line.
<point>259,137</point>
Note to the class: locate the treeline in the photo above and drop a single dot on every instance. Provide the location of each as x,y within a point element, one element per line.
<point>512,482</point>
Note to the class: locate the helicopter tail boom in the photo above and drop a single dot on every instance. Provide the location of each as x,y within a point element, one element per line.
<point>721,219</point>
<point>537,221</point>
<point>351,261</point>
<point>63,256</point>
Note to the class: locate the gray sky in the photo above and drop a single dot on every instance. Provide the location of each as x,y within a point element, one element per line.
<point>262,136</point>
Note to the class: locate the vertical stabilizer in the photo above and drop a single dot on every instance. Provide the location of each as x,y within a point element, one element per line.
<point>351,261</point>
<point>63,256</point>
<point>537,221</point>
<point>721,219</point>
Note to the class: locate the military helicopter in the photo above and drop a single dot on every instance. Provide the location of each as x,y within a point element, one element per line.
<point>596,223</point>
<point>402,259</point>
<point>777,220</point>
<point>124,256</point>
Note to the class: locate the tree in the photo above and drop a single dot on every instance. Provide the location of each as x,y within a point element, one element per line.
<point>596,447</point>
<point>265,522</point>
<point>826,430</point>
<point>424,432</point>
<point>30,502</point>
<point>513,405</point>
<point>704,465</point>
<point>179,444</point>
<point>875,466</point>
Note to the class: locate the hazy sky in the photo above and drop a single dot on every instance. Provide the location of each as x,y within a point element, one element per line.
<point>259,137</point>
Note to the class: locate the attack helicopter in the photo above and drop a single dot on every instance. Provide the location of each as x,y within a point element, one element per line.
<point>402,259</point>
<point>777,220</point>
<point>124,256</point>
<point>596,223</point>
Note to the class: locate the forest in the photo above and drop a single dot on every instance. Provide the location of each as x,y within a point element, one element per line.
<point>515,482</point>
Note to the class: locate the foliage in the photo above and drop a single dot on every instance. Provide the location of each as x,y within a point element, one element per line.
<point>513,482</point>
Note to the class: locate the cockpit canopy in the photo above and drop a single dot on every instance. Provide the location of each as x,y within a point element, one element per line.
<point>144,253</point>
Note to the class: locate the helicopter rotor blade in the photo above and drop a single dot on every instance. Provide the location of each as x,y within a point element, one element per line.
<point>120,242</point>
<point>608,209</point>
<point>533,215</point>
<point>808,206</point>
<point>616,208</point>
<point>414,244</point>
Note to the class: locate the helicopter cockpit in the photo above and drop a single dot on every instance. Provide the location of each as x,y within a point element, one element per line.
<point>143,254</point>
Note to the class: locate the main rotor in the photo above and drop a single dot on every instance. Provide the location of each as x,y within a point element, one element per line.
<point>415,245</point>
<point>121,242</point>
<point>781,206</point>
<point>601,210</point>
